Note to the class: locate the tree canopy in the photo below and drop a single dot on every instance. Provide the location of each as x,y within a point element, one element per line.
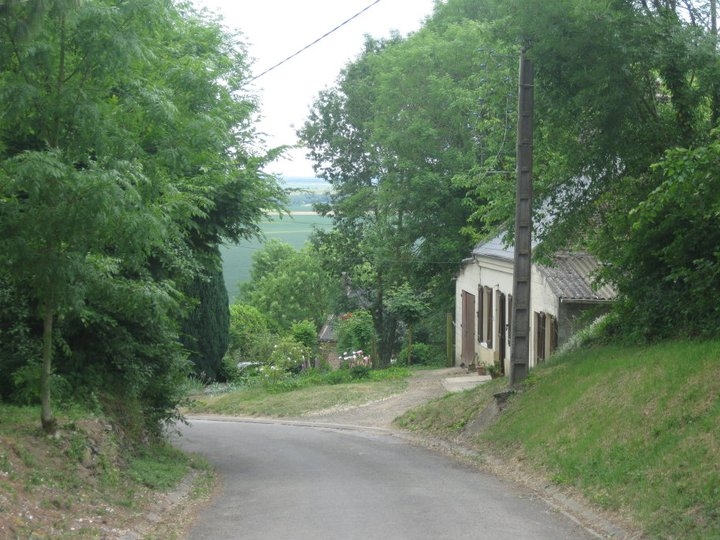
<point>289,286</point>
<point>124,161</point>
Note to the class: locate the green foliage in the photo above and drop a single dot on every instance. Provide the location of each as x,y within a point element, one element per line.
<point>248,326</point>
<point>290,355</point>
<point>26,383</point>
<point>19,335</point>
<point>391,138</point>
<point>407,304</point>
<point>206,330</point>
<point>409,307</point>
<point>422,355</point>
<point>117,182</point>
<point>305,332</point>
<point>360,371</point>
<point>356,332</point>
<point>289,286</point>
<point>668,256</point>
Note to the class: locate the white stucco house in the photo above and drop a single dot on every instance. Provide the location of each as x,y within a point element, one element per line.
<point>560,294</point>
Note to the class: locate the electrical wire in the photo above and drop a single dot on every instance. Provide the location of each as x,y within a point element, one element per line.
<point>318,40</point>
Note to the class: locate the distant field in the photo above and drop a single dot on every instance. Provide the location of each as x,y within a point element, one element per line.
<point>237,259</point>
<point>294,230</point>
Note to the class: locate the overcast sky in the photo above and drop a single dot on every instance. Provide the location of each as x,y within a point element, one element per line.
<point>275,29</point>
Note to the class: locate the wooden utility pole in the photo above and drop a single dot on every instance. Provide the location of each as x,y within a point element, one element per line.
<point>520,338</point>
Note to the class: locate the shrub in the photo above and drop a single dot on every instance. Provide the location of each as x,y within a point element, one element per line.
<point>304,332</point>
<point>356,331</point>
<point>360,371</point>
<point>289,355</point>
<point>422,355</point>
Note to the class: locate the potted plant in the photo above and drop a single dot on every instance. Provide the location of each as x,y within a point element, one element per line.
<point>481,369</point>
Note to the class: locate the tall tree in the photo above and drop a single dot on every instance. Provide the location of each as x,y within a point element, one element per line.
<point>123,162</point>
<point>289,286</point>
<point>395,138</point>
<point>620,84</point>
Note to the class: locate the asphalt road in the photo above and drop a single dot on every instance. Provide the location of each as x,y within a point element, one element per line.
<point>285,481</point>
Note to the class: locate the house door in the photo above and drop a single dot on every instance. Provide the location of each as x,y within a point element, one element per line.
<point>502,330</point>
<point>467,351</point>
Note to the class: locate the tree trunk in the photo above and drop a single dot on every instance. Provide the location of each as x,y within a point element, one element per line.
<point>410,343</point>
<point>47,420</point>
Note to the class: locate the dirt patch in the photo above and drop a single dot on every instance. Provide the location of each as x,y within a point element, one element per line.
<point>423,386</point>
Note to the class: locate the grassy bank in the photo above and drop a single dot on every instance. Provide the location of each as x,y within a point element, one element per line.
<point>636,430</point>
<point>85,483</point>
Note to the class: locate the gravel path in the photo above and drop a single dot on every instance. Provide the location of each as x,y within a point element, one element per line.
<point>423,386</point>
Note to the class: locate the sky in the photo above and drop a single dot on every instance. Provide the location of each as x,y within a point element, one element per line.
<point>275,29</point>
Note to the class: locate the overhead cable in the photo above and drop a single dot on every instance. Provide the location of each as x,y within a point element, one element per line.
<point>306,47</point>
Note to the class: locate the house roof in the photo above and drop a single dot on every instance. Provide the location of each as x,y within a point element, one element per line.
<point>571,278</point>
<point>495,248</point>
<point>327,332</point>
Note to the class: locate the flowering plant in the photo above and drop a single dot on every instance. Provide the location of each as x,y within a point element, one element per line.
<point>356,358</point>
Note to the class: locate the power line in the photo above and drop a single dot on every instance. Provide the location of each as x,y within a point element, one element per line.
<point>306,47</point>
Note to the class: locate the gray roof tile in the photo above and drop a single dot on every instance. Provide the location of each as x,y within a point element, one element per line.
<point>571,278</point>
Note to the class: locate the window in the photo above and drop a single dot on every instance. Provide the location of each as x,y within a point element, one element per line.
<point>539,337</point>
<point>485,315</point>
<point>488,317</point>
<point>546,336</point>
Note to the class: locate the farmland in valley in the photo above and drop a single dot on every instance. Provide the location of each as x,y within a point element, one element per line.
<point>293,229</point>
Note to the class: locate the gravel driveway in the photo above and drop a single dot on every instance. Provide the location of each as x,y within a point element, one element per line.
<point>423,386</point>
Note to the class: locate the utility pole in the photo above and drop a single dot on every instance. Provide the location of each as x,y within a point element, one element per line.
<point>520,338</point>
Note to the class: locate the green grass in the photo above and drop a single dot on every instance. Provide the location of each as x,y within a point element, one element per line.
<point>448,415</point>
<point>237,259</point>
<point>259,401</point>
<point>637,430</point>
<point>159,467</point>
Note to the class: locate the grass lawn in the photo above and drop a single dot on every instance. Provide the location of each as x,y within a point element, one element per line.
<point>258,401</point>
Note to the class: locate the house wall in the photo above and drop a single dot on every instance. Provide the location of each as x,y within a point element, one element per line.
<point>573,316</point>
<point>552,322</point>
<point>467,280</point>
<point>496,275</point>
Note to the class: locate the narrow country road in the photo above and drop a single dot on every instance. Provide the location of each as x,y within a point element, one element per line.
<point>285,480</point>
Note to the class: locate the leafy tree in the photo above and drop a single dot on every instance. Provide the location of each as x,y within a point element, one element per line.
<point>618,86</point>
<point>306,332</point>
<point>671,248</point>
<point>356,332</point>
<point>289,286</point>
<point>248,326</point>
<point>397,138</point>
<point>58,222</point>
<point>409,307</point>
<point>206,329</point>
<point>123,163</point>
